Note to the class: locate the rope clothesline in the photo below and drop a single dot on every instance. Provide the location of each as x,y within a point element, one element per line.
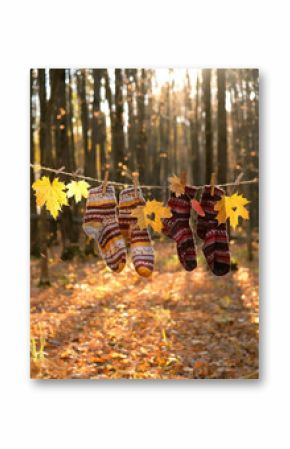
<point>123,184</point>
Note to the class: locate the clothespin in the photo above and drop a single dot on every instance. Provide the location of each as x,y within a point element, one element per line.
<point>183,177</point>
<point>135,176</point>
<point>105,182</point>
<point>212,183</point>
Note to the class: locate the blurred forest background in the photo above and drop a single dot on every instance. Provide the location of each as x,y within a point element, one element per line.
<point>158,122</point>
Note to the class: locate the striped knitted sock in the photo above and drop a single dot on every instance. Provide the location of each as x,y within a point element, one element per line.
<point>216,244</point>
<point>100,223</point>
<point>141,248</point>
<point>177,227</point>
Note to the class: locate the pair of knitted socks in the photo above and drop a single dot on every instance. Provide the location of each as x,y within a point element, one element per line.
<point>113,227</point>
<point>214,236</point>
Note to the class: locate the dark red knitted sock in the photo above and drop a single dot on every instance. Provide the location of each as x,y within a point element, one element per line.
<point>216,242</point>
<point>177,227</point>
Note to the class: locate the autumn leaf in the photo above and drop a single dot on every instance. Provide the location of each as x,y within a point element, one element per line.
<point>151,214</point>
<point>139,213</point>
<point>197,207</point>
<point>223,208</point>
<point>176,185</point>
<point>199,364</point>
<point>51,195</point>
<point>232,207</point>
<point>78,189</point>
<point>155,211</point>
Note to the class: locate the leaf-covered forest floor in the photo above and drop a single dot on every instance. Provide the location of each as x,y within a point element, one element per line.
<point>93,324</point>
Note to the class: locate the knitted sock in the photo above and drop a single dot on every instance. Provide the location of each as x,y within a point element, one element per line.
<point>216,243</point>
<point>177,227</point>
<point>100,223</point>
<point>141,248</point>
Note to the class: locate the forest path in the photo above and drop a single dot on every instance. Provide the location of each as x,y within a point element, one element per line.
<point>176,325</point>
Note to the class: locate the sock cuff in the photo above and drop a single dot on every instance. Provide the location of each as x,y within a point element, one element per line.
<point>98,198</point>
<point>180,203</point>
<point>190,191</point>
<point>128,197</point>
<point>218,193</point>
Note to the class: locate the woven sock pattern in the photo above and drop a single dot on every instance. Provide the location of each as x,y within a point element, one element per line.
<point>177,227</point>
<point>101,223</point>
<point>215,237</point>
<point>139,239</point>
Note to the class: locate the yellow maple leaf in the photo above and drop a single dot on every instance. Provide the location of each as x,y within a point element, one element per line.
<point>232,207</point>
<point>138,213</point>
<point>51,195</point>
<point>151,214</point>
<point>78,189</point>
<point>223,209</point>
<point>176,185</point>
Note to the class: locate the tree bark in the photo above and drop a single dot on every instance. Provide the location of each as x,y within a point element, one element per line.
<point>194,137</point>
<point>132,125</point>
<point>90,160</point>
<point>142,138</point>
<point>89,154</point>
<point>70,123</point>
<point>64,159</point>
<point>151,130</point>
<point>222,128</point>
<point>118,125</point>
<point>43,229</point>
<point>109,97</point>
<point>208,125</point>
<point>34,237</point>
<point>98,125</point>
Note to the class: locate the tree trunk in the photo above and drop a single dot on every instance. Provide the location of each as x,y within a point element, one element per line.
<point>131,160</point>
<point>222,127</point>
<point>89,156</point>
<point>151,130</point>
<point>255,149</point>
<point>163,155</point>
<point>194,138</point>
<point>208,125</point>
<point>53,142</point>
<point>43,231</point>
<point>109,97</point>
<point>98,125</point>
<point>164,112</point>
<point>65,159</point>
<point>250,167</point>
<point>70,124</point>
<point>142,138</point>
<point>34,237</point>
<point>90,160</point>
<point>118,125</point>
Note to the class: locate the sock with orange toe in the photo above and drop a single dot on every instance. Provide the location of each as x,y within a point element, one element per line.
<point>101,223</point>
<point>138,239</point>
